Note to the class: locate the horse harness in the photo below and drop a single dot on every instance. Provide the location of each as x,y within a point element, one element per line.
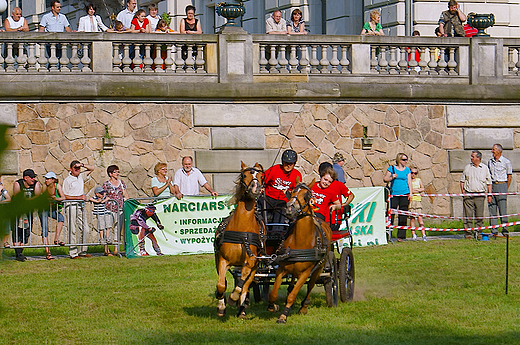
<point>240,237</point>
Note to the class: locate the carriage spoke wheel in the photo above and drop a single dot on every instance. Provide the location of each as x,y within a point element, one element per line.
<point>331,283</point>
<point>346,275</point>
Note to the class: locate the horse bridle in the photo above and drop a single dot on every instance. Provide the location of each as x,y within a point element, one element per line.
<point>254,172</point>
<point>307,199</point>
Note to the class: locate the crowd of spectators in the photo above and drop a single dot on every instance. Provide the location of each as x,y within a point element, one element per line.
<point>130,19</point>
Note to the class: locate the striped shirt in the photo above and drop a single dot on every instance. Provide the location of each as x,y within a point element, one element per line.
<point>499,169</point>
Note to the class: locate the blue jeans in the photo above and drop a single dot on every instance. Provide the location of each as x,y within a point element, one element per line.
<point>44,219</point>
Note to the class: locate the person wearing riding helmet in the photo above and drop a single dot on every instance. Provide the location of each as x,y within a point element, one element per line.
<point>340,189</point>
<point>139,227</point>
<point>278,180</point>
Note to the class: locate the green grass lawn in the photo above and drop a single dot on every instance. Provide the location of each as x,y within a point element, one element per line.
<point>436,292</point>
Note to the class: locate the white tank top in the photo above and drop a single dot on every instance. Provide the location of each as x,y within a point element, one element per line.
<point>15,25</point>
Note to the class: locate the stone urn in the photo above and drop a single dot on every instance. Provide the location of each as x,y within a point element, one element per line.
<point>481,22</point>
<point>231,12</point>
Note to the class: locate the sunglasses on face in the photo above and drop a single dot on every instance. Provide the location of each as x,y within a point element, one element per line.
<point>414,173</point>
<point>77,168</point>
<point>404,159</point>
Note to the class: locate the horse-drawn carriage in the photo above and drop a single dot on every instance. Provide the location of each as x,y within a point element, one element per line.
<point>305,255</point>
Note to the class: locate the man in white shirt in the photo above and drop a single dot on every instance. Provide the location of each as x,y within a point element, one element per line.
<point>188,179</point>
<point>126,15</point>
<point>16,22</point>
<point>276,24</point>
<point>73,188</point>
<point>501,171</point>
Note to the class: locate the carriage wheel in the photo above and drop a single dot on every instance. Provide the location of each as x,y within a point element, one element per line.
<point>346,275</point>
<point>331,283</point>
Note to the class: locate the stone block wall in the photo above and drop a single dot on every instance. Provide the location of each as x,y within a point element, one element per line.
<point>48,136</point>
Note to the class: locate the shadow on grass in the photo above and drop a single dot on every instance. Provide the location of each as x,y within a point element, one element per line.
<point>317,335</point>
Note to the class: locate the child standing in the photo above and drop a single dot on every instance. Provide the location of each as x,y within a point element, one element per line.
<point>104,217</point>
<point>415,204</point>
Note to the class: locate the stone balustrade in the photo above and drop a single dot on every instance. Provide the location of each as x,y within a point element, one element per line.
<point>257,67</point>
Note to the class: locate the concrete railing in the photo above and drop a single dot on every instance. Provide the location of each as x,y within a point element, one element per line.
<point>238,65</point>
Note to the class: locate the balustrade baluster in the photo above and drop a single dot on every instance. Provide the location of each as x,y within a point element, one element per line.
<point>158,61</point>
<point>452,64</point>
<point>510,61</point>
<point>53,60</point>
<point>31,59</point>
<point>324,62</point>
<point>116,57</point>
<point>64,60</point>
<point>432,64</point>
<point>190,61</point>
<point>314,60</point>
<point>344,62</point>
<point>412,63</point>
<point>442,62</point>
<point>304,61</point>
<point>74,59</point>
<point>263,61</point>
<point>518,61</point>
<point>403,61</point>
<point>392,63</point>
<point>283,61</point>
<point>168,62</point>
<point>373,59</point>
<point>137,61</point>
<point>9,59</point>
<point>334,62</point>
<point>21,59</point>
<point>422,63</point>
<point>147,61</point>
<point>179,61</point>
<point>273,61</point>
<point>42,60</point>
<point>293,61</point>
<point>199,61</point>
<point>85,60</point>
<point>2,70</point>
<point>383,63</point>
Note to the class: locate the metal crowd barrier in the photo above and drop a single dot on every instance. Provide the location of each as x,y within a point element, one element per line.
<point>80,227</point>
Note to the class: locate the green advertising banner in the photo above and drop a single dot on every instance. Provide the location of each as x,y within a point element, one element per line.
<point>189,225</point>
<point>367,219</point>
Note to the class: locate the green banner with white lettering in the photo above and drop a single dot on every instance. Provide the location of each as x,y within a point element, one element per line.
<point>367,218</point>
<point>189,225</point>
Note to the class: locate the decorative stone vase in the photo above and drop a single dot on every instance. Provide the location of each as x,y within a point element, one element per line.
<point>230,12</point>
<point>481,22</point>
<point>3,6</point>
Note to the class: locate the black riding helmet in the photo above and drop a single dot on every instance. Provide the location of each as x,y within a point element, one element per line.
<point>289,156</point>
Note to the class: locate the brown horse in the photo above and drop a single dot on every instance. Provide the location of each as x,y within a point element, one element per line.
<point>304,251</point>
<point>239,239</point>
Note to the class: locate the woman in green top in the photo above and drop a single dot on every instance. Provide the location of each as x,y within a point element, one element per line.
<point>373,28</point>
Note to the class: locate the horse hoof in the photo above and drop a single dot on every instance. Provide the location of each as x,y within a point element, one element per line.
<point>302,311</point>
<point>273,308</point>
<point>280,320</point>
<point>231,301</point>
<point>242,316</point>
<point>221,312</point>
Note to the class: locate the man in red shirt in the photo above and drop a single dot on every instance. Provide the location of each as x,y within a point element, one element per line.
<point>279,179</point>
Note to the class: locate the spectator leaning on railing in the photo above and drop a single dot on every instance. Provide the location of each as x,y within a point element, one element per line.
<point>450,22</point>
<point>152,16</point>
<point>54,21</point>
<point>92,22</point>
<point>276,24</point>
<point>126,15</point>
<point>117,193</point>
<point>188,179</point>
<point>373,27</point>
<point>16,22</point>
<point>73,188</point>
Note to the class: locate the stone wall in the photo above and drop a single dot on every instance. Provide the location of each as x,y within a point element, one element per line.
<point>48,136</point>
